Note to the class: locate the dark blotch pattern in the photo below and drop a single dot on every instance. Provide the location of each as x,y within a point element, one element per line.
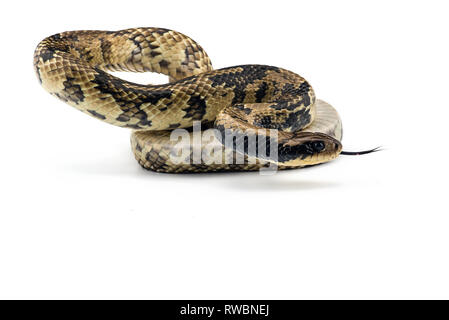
<point>72,91</point>
<point>264,122</point>
<point>243,108</point>
<point>47,55</point>
<point>239,80</point>
<point>130,105</point>
<point>197,108</point>
<point>174,125</point>
<point>96,114</point>
<point>261,92</point>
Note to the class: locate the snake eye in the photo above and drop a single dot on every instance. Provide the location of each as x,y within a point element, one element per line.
<point>318,146</point>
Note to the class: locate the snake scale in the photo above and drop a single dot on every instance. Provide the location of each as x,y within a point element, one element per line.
<point>247,102</point>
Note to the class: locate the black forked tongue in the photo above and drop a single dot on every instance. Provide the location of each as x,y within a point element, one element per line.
<point>357,153</point>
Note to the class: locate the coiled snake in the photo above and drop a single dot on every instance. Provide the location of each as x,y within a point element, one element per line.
<point>243,102</point>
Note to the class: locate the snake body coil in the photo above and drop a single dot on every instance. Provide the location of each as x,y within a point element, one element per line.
<point>244,102</point>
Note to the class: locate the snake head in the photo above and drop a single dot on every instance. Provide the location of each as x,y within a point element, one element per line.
<point>308,148</point>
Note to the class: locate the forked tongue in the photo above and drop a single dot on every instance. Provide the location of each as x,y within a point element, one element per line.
<point>358,153</point>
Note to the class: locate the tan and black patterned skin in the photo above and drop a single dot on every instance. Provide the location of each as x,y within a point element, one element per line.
<point>238,100</point>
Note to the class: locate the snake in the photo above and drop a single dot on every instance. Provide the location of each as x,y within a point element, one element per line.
<point>247,117</point>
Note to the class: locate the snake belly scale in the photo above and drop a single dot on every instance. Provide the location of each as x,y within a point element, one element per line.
<point>247,100</point>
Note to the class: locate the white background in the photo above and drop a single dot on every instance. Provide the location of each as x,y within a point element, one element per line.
<point>80,219</point>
